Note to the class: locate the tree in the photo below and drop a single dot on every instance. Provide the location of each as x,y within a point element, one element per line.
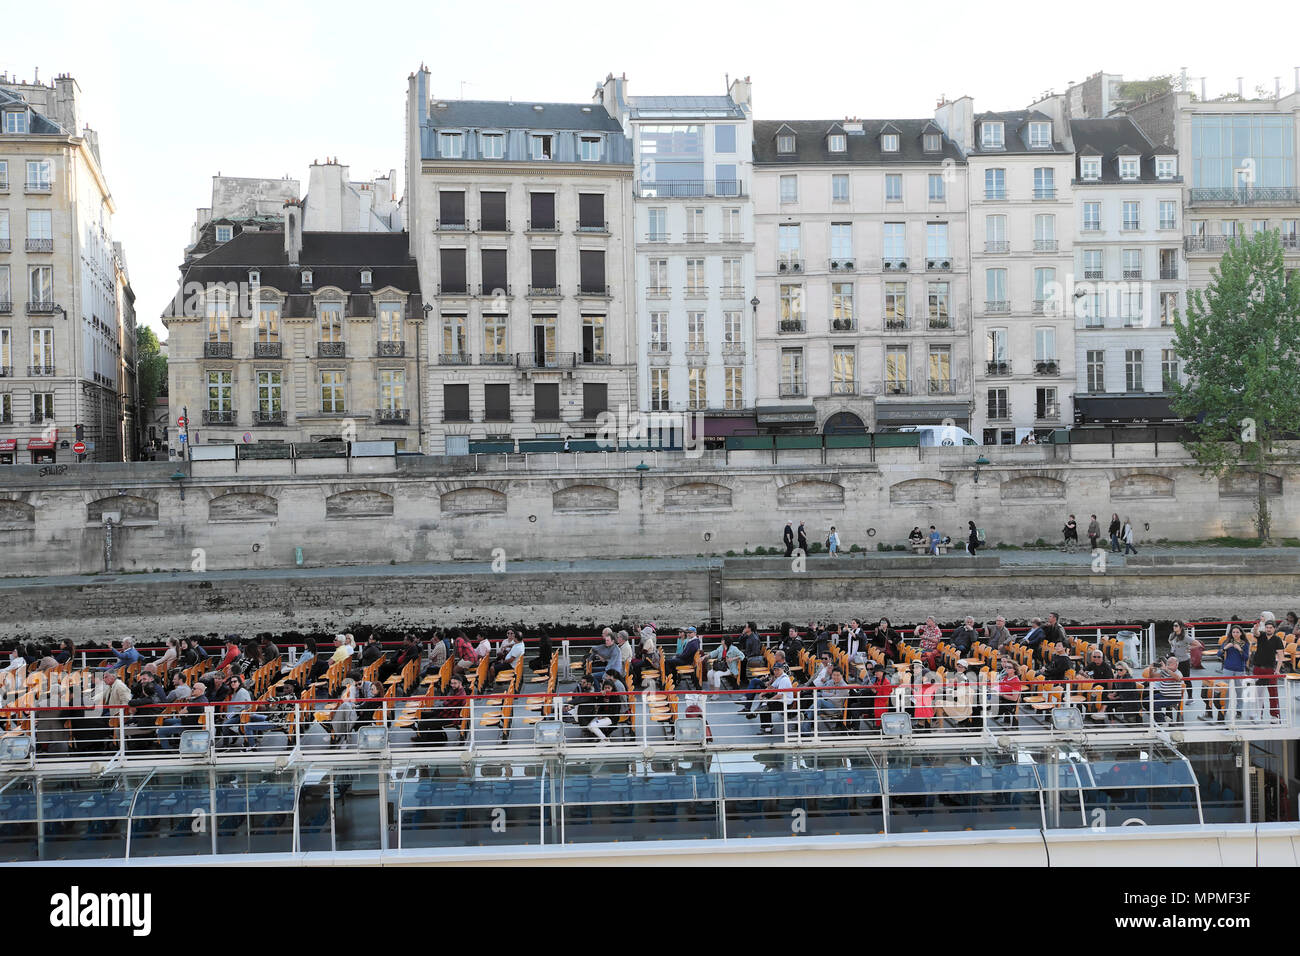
<point>1240,346</point>
<point>150,365</point>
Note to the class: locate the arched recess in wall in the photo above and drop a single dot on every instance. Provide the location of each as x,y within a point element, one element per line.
<point>360,503</point>
<point>16,515</point>
<point>473,501</point>
<point>1142,486</point>
<point>810,493</point>
<point>243,506</point>
<point>1032,488</point>
<point>585,499</point>
<point>697,496</point>
<point>133,510</point>
<point>921,491</point>
<point>1245,484</point>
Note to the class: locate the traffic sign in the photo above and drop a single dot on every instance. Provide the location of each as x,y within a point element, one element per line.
<point>79,448</point>
<point>181,421</point>
<point>248,437</point>
<point>182,437</point>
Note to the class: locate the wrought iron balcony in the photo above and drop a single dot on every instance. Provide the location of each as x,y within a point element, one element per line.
<point>996,306</point>
<point>1246,195</point>
<point>997,246</point>
<point>456,415</point>
<point>494,226</point>
<point>1044,192</point>
<point>1132,273</point>
<point>453,358</point>
<point>268,416</point>
<point>40,418</point>
<point>495,358</point>
<point>331,349</point>
<point>894,265</point>
<point>220,416</point>
<point>1047,413</point>
<point>844,388</point>
<point>1215,245</point>
<point>41,306</point>
<point>1168,273</point>
<point>493,291</point>
<point>1046,367</point>
<point>6,306</point>
<point>39,370</point>
<point>591,289</point>
<point>453,288</point>
<point>6,371</point>
<point>440,225</point>
<point>733,292</point>
<point>844,325</point>
<point>843,265</point>
<point>897,323</point>
<point>938,265</point>
<point>595,358</point>
<point>895,387</point>
<point>791,325</point>
<point>1045,245</point>
<point>1094,274</point>
<point>268,350</point>
<point>390,349</point>
<point>691,189</point>
<point>543,226</point>
<point>40,245</point>
<point>392,416</point>
<point>940,322</point>
<point>994,194</point>
<point>793,390</point>
<point>997,368</point>
<point>40,186</point>
<point>217,350</point>
<point>659,346</point>
<point>546,359</point>
<point>590,227</point>
<point>789,264</point>
<point>941,386</point>
<point>4,245</point>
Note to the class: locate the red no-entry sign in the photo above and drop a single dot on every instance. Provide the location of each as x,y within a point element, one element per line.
<point>181,421</point>
<point>79,447</point>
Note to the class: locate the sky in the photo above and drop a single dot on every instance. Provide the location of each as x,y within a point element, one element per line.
<point>180,92</point>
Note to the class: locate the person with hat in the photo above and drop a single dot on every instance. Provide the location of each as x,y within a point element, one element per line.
<point>687,647</point>
<point>777,699</point>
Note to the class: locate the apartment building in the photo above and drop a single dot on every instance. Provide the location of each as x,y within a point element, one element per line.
<point>295,336</point>
<point>520,217</point>
<point>692,223</point>
<point>65,300</point>
<point>863,272</point>
<point>1129,278</point>
<point>1022,225</point>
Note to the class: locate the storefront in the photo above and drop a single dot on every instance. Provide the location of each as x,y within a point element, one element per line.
<point>8,449</point>
<point>42,450</point>
<point>1124,410</point>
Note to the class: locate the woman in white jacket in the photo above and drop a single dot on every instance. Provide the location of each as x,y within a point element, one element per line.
<point>1127,536</point>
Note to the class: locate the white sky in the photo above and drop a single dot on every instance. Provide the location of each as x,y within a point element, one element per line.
<point>182,91</point>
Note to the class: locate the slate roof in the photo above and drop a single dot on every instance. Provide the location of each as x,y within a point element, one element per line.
<point>498,114</point>
<point>861,148</point>
<point>1110,138</point>
<point>686,105</point>
<point>1015,133</point>
<point>37,123</point>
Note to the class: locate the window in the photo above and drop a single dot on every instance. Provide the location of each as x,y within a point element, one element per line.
<point>843,377</point>
<point>840,187</point>
<point>40,230</point>
<point>894,245</point>
<point>449,145</point>
<point>6,289</point>
<point>1166,167</point>
<point>331,392</point>
<point>697,388</point>
<point>495,341</point>
<point>1168,214</point>
<point>42,351</point>
<point>452,266</point>
<point>842,306</point>
<point>366,276</point>
<point>4,175</point>
<point>220,389</point>
<point>889,142</point>
<point>1045,233</point>
<point>789,189</point>
<point>455,403</point>
<point>937,298</point>
<point>893,187</point>
<point>695,228</point>
<point>42,406</point>
<point>1092,264</point>
<point>1132,260</point>
<point>895,304</point>
<point>492,212</point>
<point>38,174</point>
<point>936,240</point>
<point>695,341</point>
<point>733,282</point>
<point>932,142</point>
<point>1090,167</point>
<point>1132,215</point>
<point>1128,167</point>
<point>731,229</point>
<point>1168,307</point>
<point>695,277</point>
<point>595,400</point>
<point>1046,407</point>
<point>995,234</point>
<point>591,212</point>
<point>792,372</point>
<point>593,339</point>
<point>1044,182</point>
<point>1040,135</point>
<point>1133,370</point>
<point>787,241</point>
<point>999,408</point>
<point>16,121</point>
<point>455,345</point>
<point>791,308</point>
<point>1168,370</point>
<point>896,380</point>
<point>658,277</point>
<point>836,142</point>
<point>1096,370</point>
<point>6,357</point>
<point>733,379</point>
<point>940,370</point>
<point>732,335</point>
<point>539,146</point>
<point>991,135</point>
<point>542,262</point>
<point>1044,344</point>
<point>268,392</point>
<point>936,187</point>
<point>390,322</point>
<point>657,224</point>
<point>589,149</point>
<point>1091,216</point>
<point>1130,306</point>
<point>995,347</point>
<point>785,143</point>
<point>724,139</point>
<point>659,390</point>
<point>591,271</point>
<point>392,389</point>
<point>40,285</point>
<point>995,290</point>
<point>492,145</point>
<point>995,184</point>
<point>331,322</point>
<point>1045,291</point>
<point>1169,263</point>
<point>841,240</point>
<point>451,209</point>
<point>225,233</point>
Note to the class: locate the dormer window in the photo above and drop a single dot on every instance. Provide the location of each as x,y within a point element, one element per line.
<point>1166,167</point>
<point>449,145</point>
<point>225,233</point>
<point>492,145</point>
<point>589,149</point>
<point>306,278</point>
<point>254,277</point>
<point>1090,167</point>
<point>991,136</point>
<point>366,278</point>
<point>889,142</point>
<point>539,146</point>
<point>836,143</point>
<point>932,142</point>
<point>785,143</point>
<point>1128,167</point>
<point>16,121</point>
<point>1040,135</point>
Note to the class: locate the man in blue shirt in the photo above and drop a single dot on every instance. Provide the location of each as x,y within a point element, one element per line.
<point>935,538</point>
<point>127,656</point>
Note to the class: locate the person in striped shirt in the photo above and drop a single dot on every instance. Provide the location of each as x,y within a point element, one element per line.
<point>1169,689</point>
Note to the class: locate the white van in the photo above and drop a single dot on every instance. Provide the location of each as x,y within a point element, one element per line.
<point>932,435</point>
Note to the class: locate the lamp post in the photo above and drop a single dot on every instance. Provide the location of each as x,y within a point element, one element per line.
<point>179,477</point>
<point>980,462</point>
<point>641,469</point>
<point>419,392</point>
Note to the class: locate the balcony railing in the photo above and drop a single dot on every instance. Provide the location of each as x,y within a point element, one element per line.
<point>1046,367</point>
<point>994,246</point>
<point>544,291</point>
<point>659,347</point>
<point>695,237</point>
<point>894,265</point>
<point>40,186</point>
<point>40,245</point>
<point>791,325</point>
<point>38,370</point>
<point>39,418</point>
<point>990,194</point>
<point>996,306</point>
<point>40,306</point>
<point>595,358</point>
<point>657,237</point>
<point>593,227</point>
<point>218,416</point>
<point>844,388</point>
<point>1168,273</point>
<point>546,359</point>
<point>1208,244</point>
<point>843,265</point>
<point>1047,413</point>
<point>793,390</point>
<point>494,226</point>
<point>456,415</point>
<point>441,226</point>
<point>999,412</point>
<point>997,368</point>
<point>733,292</point>
<point>1246,195</point>
<point>691,188</point>
<point>1045,245</point>
<point>1044,192</point>
<point>894,386</point>
<point>453,358</point>
<point>392,416</point>
<point>1168,224</point>
<point>268,416</point>
<point>390,349</point>
<point>495,358</point>
<point>592,289</point>
<point>1131,225</point>
<point>6,306</point>
<point>6,371</point>
<point>941,386</point>
<point>268,350</point>
<point>1091,225</point>
<point>844,325</point>
<point>938,265</point>
<point>543,226</point>
<point>331,349</point>
<point>897,323</point>
<point>1132,273</point>
<point>940,322</point>
<point>1094,274</point>
<point>453,288</point>
<point>789,264</point>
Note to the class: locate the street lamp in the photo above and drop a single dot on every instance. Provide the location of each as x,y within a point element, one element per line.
<point>980,462</point>
<point>179,476</point>
<point>641,469</point>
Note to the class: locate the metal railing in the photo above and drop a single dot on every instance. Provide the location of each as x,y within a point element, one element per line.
<point>6,307</point>
<point>453,358</point>
<point>392,416</point>
<point>38,370</point>
<point>996,306</point>
<point>41,306</point>
<point>494,226</point>
<point>390,349</point>
<point>6,371</point>
<point>939,322</point>
<point>495,358</point>
<point>995,246</point>
<point>40,186</point>
<point>691,188</point>
<point>791,325</point>
<point>268,350</point>
<point>896,323</point>
<point>793,390</point>
<point>40,245</point>
<point>789,264</point>
<point>218,416</point>
<point>596,358</point>
<point>331,349</point>
<point>544,291</point>
<point>732,291</point>
<point>1132,273</point>
<point>997,368</point>
<point>1044,192</point>
<point>1046,367</point>
<point>538,227</point>
<point>1245,195</point>
<point>1045,245</point>
<point>844,325</point>
<point>217,350</point>
<point>440,225</point>
<point>546,359</point>
<point>938,265</point>
<point>268,416</point>
<point>5,245</point>
<point>593,290</point>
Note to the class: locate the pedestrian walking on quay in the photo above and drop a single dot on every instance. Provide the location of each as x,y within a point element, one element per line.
<point>1128,537</point>
<point>789,539</point>
<point>1114,532</point>
<point>803,538</point>
<point>1070,534</point>
<point>972,539</point>
<point>1094,532</point>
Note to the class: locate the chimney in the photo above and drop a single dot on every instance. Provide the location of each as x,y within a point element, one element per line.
<point>1240,88</point>
<point>1277,87</point>
<point>1182,85</point>
<point>293,230</point>
<point>1202,89</point>
<point>742,92</point>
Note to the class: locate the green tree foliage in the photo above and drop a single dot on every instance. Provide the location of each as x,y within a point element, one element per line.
<point>1240,347</point>
<point>151,366</point>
